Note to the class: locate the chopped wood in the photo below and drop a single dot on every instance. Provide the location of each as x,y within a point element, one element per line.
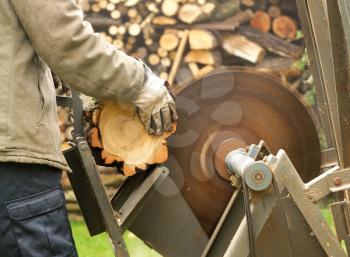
<point>206,57</point>
<point>248,3</point>
<point>270,42</point>
<point>153,59</point>
<point>197,72</point>
<point>281,66</point>
<point>170,7</point>
<point>163,21</point>
<point>134,29</point>
<point>226,9</point>
<point>229,24</point>
<point>201,39</point>
<point>94,138</point>
<point>115,14</point>
<point>191,13</point>
<point>125,139</point>
<point>241,47</point>
<point>169,41</point>
<point>284,27</point>
<point>162,52</point>
<point>165,62</point>
<point>274,11</point>
<point>261,21</point>
<point>203,71</point>
<point>193,68</point>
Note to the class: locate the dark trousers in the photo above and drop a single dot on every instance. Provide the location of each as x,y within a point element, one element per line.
<point>33,216</point>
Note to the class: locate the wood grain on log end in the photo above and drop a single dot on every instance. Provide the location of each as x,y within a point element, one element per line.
<point>124,139</point>
<point>284,27</point>
<point>261,21</point>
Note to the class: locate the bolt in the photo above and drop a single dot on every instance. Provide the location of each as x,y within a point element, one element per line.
<point>258,177</point>
<point>235,181</point>
<point>337,181</point>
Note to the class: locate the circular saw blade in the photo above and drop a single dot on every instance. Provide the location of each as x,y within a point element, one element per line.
<point>235,108</point>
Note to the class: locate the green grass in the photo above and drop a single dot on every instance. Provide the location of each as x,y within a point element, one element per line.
<point>99,246</point>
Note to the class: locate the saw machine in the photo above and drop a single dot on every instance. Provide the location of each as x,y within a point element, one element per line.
<point>227,188</point>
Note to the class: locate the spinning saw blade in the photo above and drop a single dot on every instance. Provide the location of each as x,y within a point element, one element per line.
<point>229,110</point>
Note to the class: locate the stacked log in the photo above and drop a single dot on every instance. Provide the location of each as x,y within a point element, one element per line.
<point>153,31</point>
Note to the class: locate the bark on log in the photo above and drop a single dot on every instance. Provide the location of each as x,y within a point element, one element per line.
<point>225,10</point>
<point>241,47</point>
<point>271,43</point>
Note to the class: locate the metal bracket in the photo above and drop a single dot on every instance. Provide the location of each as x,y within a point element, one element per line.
<point>339,181</point>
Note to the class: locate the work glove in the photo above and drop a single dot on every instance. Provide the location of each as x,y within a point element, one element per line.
<point>155,105</point>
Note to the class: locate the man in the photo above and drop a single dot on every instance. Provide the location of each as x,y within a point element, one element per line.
<point>36,35</point>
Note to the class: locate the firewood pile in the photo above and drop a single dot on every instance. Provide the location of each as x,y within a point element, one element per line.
<point>185,39</point>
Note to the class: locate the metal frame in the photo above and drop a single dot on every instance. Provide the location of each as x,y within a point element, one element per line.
<point>93,201</point>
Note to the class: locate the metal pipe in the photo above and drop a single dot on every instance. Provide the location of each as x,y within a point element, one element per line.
<point>256,174</point>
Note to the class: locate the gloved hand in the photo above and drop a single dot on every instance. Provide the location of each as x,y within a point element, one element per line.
<point>156,107</point>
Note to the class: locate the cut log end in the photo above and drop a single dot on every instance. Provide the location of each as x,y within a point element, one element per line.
<point>125,140</point>
<point>261,21</point>
<point>284,27</point>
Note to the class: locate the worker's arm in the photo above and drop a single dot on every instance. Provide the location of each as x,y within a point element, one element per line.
<point>75,53</point>
<point>88,63</point>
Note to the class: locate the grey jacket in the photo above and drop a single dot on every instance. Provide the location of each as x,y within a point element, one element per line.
<point>36,35</point>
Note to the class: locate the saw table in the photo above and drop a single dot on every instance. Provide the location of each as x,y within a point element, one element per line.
<point>222,194</point>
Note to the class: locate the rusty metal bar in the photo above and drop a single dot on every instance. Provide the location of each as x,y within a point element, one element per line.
<point>287,177</point>
<point>312,49</point>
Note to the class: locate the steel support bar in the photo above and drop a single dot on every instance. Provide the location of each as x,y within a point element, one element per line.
<point>112,226</point>
<point>287,177</point>
<point>315,66</point>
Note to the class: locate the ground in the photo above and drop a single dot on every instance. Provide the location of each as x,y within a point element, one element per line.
<point>99,246</point>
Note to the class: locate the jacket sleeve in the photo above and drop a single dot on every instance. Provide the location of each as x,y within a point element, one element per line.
<point>80,57</point>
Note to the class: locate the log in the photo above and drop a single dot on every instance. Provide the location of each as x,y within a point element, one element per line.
<point>229,24</point>
<point>274,11</point>
<point>270,42</point>
<point>284,27</point>
<point>261,21</point>
<point>169,41</point>
<point>248,3</point>
<point>163,21</point>
<point>125,139</point>
<point>153,59</point>
<point>280,66</point>
<point>205,57</point>
<point>170,7</point>
<point>201,39</point>
<point>241,47</point>
<point>225,10</point>
<point>192,13</point>
<point>94,138</point>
